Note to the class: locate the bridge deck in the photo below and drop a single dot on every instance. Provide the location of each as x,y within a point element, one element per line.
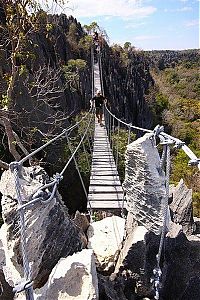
<point>105,191</point>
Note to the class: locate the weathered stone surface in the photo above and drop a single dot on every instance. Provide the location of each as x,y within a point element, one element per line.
<point>105,238</point>
<point>72,278</point>
<point>5,289</point>
<point>144,183</point>
<point>49,231</point>
<point>110,290</point>
<point>132,253</point>
<point>181,207</point>
<point>81,221</point>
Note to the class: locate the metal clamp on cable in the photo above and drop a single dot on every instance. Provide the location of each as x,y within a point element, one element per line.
<point>194,162</point>
<point>14,165</point>
<point>167,141</point>
<point>38,194</point>
<point>179,144</point>
<point>156,280</point>
<point>158,129</point>
<point>57,177</point>
<point>21,286</point>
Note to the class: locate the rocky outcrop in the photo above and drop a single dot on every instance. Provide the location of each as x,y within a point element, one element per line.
<point>74,277</point>
<point>50,232</point>
<point>127,79</point>
<point>144,183</point>
<point>105,238</point>
<point>132,253</point>
<point>181,207</point>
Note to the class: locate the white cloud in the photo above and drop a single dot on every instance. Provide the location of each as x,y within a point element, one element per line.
<point>192,23</point>
<point>146,37</point>
<point>115,8</point>
<point>182,9</point>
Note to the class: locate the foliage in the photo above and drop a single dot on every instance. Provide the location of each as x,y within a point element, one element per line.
<point>127,45</point>
<point>177,106</point>
<point>161,103</point>
<point>86,42</point>
<point>84,154</point>
<point>120,140</point>
<point>91,27</point>
<point>72,71</point>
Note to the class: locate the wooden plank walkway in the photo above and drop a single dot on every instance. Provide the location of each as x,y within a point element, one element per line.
<point>97,82</point>
<point>105,191</point>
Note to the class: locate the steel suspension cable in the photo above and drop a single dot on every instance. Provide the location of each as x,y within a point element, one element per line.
<point>77,168</point>
<point>27,273</point>
<point>132,126</point>
<point>129,134</point>
<point>118,131</point>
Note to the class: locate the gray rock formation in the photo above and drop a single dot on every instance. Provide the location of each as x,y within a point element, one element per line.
<point>74,277</point>
<point>50,232</point>
<point>132,253</point>
<point>144,183</point>
<point>181,207</point>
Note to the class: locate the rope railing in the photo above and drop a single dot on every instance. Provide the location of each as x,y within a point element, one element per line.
<point>42,196</point>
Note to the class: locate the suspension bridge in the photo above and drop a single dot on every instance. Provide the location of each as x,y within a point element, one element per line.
<point>105,190</point>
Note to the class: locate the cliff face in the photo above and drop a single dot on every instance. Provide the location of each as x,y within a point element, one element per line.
<point>126,83</point>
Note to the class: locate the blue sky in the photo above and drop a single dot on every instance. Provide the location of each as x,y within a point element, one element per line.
<point>147,24</point>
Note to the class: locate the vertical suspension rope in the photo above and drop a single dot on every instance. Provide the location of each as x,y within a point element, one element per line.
<point>113,129</point>
<point>92,64</point>
<point>85,152</point>
<point>14,167</point>
<point>109,130</point>
<point>129,134</point>
<point>77,168</point>
<point>157,273</point>
<point>117,155</point>
<point>165,209</point>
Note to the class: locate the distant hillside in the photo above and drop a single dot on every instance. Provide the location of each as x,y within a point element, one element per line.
<point>176,104</point>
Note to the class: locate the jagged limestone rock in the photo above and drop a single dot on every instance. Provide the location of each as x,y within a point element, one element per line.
<point>74,277</point>
<point>132,253</point>
<point>181,207</point>
<point>105,238</point>
<point>144,183</point>
<point>50,232</point>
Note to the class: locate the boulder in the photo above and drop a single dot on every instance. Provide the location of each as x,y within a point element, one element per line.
<point>144,183</point>
<point>105,238</point>
<point>74,277</point>
<point>50,233</point>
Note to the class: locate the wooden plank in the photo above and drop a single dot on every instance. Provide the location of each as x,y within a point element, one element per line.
<point>102,155</point>
<point>95,189</point>
<point>104,177</point>
<point>103,160</point>
<point>104,172</point>
<point>109,197</point>
<point>103,163</point>
<point>104,182</point>
<point>103,168</point>
<point>107,204</point>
